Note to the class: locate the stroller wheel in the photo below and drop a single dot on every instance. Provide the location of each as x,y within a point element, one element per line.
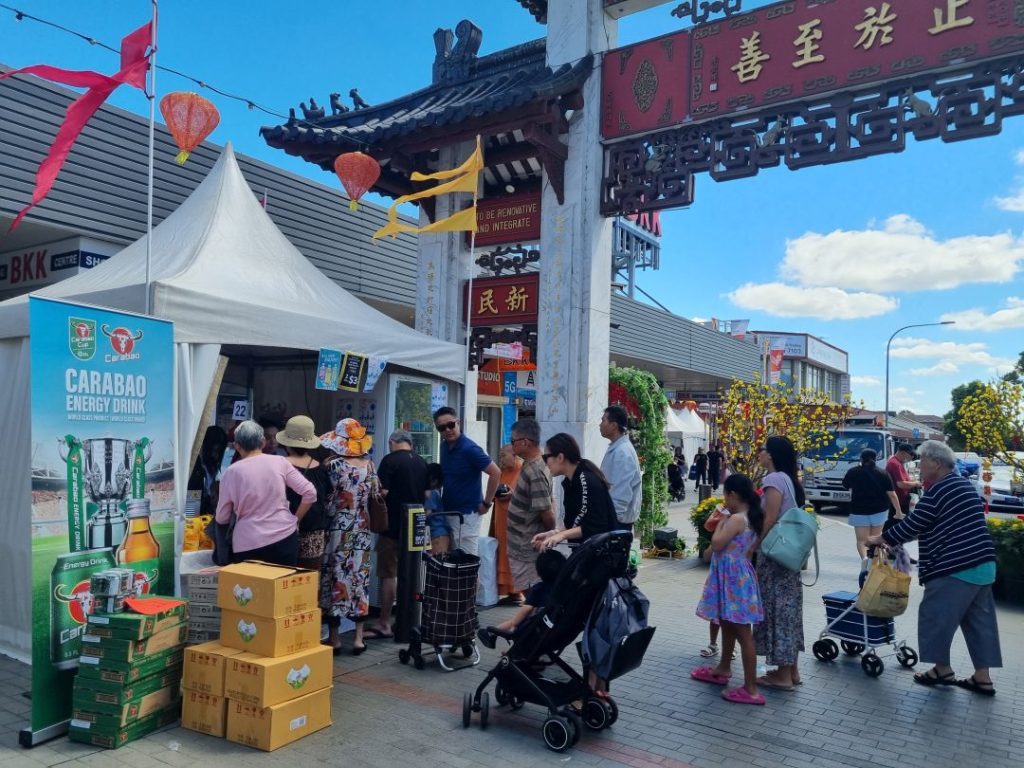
<point>872,665</point>
<point>575,723</point>
<point>403,656</point>
<point>825,650</point>
<point>501,696</point>
<point>557,732</point>
<point>467,650</point>
<point>906,656</point>
<point>613,711</point>
<point>467,709</point>
<point>485,709</point>
<point>515,702</point>
<point>854,649</point>
<point>597,714</point>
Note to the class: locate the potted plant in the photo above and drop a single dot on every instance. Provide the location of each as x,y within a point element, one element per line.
<point>698,516</point>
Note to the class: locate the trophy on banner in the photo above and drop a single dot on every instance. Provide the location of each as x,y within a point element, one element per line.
<point>102,468</point>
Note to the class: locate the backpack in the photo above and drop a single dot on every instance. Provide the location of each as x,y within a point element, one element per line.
<point>616,636</point>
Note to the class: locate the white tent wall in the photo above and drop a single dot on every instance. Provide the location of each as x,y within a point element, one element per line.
<point>16,500</point>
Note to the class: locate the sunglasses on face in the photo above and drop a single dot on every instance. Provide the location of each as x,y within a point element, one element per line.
<point>448,425</point>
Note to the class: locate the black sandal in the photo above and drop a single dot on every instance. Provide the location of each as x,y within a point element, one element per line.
<point>972,685</point>
<point>932,678</point>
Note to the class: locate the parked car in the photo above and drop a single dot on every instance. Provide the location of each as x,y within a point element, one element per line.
<point>968,463</point>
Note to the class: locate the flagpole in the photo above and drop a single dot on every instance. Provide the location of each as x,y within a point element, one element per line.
<point>149,175</point>
<point>469,289</point>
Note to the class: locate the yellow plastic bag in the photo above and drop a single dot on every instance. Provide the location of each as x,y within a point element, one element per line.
<point>886,591</point>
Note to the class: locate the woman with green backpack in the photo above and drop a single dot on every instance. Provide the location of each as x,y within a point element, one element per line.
<point>780,636</point>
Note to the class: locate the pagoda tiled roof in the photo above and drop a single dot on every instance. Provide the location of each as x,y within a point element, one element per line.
<point>537,8</point>
<point>506,80</point>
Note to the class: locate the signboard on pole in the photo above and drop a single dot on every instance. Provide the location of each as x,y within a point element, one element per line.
<point>103,451</point>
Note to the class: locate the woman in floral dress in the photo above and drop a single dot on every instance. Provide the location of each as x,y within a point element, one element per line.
<point>731,596</point>
<point>780,637</point>
<point>345,577</point>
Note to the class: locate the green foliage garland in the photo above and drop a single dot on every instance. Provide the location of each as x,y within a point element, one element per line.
<point>648,436</point>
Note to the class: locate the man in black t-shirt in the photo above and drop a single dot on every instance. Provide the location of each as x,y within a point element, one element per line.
<point>403,474</point>
<point>701,462</point>
<point>715,458</point>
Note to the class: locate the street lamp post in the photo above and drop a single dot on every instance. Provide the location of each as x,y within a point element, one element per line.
<point>888,344</point>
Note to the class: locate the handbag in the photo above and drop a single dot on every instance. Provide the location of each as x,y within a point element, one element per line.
<point>789,542</point>
<point>221,536</point>
<point>886,591</point>
<point>376,506</point>
<point>693,471</point>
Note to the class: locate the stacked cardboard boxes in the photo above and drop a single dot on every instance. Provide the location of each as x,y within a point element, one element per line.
<point>203,611</point>
<point>129,674</point>
<point>268,680</point>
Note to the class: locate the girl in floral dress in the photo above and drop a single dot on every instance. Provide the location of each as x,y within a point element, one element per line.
<point>731,596</point>
<point>345,576</point>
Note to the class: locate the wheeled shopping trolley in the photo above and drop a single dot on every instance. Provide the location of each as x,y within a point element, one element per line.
<point>859,634</point>
<point>449,620</point>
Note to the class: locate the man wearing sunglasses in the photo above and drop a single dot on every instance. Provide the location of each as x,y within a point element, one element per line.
<point>462,461</point>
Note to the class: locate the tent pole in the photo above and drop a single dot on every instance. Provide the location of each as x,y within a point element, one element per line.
<point>149,175</point>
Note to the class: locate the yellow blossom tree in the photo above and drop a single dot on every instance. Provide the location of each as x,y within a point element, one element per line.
<point>992,421</point>
<point>752,412</point>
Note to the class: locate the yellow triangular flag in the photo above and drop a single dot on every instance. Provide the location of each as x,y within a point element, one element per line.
<point>463,221</point>
<point>474,163</point>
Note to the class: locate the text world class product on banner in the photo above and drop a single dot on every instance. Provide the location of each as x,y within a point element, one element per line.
<point>102,475</point>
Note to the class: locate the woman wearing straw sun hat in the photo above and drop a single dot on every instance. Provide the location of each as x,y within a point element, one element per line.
<point>345,580</point>
<point>299,438</point>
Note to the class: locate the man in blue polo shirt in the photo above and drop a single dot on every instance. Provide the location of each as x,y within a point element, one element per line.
<point>462,461</point>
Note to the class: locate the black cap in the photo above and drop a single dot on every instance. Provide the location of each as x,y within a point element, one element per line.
<point>907,448</point>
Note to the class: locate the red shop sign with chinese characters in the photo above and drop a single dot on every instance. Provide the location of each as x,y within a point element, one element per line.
<point>644,86</point>
<point>788,51</point>
<point>508,219</point>
<point>505,300</point>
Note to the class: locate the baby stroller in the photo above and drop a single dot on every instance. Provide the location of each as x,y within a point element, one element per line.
<point>449,609</point>
<point>520,675</point>
<point>857,632</point>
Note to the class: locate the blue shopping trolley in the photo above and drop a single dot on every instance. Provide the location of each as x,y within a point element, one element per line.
<point>859,634</point>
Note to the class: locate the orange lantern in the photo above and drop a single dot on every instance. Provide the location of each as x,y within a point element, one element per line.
<point>190,118</point>
<point>358,173</point>
<point>691,405</point>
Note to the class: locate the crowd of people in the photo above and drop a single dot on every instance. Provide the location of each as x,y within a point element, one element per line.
<point>310,507</point>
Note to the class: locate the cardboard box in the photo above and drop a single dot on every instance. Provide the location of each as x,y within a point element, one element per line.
<point>198,609</point>
<point>204,712</point>
<point>264,682</point>
<point>204,667</point>
<point>132,650</point>
<point>124,672</point>
<point>87,733</point>
<point>205,622</point>
<point>203,594</point>
<point>135,626</point>
<point>268,728</point>
<point>270,637</point>
<point>106,697</point>
<point>83,709</point>
<point>207,577</point>
<point>270,591</point>
<point>201,636</point>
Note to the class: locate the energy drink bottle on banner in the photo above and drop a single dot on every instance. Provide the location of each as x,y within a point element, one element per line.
<point>140,550</point>
<point>71,602</point>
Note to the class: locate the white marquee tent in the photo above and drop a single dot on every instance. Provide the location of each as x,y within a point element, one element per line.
<point>224,274</point>
<point>687,427</point>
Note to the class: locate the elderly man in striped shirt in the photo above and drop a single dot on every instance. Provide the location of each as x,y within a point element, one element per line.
<point>957,568</point>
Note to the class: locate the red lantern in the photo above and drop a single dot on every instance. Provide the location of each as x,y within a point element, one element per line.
<point>358,173</point>
<point>190,118</point>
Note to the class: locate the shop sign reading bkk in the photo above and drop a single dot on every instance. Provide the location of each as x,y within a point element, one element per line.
<point>804,82</point>
<point>505,300</point>
<point>514,219</point>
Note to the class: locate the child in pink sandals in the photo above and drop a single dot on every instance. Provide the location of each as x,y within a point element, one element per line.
<point>731,597</point>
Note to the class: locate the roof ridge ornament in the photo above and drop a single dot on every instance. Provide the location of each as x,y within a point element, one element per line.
<point>700,11</point>
<point>455,63</point>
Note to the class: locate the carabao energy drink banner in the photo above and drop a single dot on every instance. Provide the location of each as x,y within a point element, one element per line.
<point>102,475</point>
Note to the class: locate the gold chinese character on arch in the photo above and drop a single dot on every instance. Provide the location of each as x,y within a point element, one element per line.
<point>807,44</point>
<point>752,59</point>
<point>486,304</point>
<point>948,20</point>
<point>876,27</point>
<point>516,299</point>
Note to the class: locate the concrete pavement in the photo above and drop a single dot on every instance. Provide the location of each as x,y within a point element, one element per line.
<point>386,714</point>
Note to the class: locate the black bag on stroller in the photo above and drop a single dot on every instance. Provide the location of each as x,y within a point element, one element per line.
<point>521,675</point>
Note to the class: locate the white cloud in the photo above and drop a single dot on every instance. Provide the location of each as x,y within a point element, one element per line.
<point>901,256</point>
<point>866,381</point>
<point>949,356</point>
<point>1012,316</point>
<point>700,320</point>
<point>1014,203</point>
<point>825,303</point>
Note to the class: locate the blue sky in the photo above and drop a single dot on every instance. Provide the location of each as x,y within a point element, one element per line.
<point>849,252</point>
